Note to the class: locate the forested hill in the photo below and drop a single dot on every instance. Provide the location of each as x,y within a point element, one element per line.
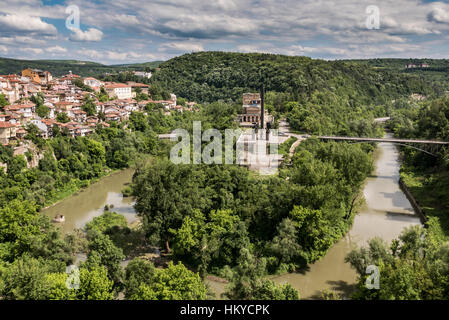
<point>399,64</point>
<point>210,76</point>
<point>61,67</point>
<point>435,73</point>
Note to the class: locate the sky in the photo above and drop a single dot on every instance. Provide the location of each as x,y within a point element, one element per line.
<point>132,31</point>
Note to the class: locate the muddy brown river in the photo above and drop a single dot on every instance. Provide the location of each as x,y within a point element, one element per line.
<point>386,212</point>
<point>89,203</point>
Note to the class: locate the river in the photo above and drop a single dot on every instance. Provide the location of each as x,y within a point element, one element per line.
<point>89,203</point>
<point>386,212</point>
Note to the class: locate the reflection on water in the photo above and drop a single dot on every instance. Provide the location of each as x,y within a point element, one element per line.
<point>89,203</point>
<point>386,213</point>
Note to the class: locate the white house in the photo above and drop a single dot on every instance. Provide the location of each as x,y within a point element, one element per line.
<point>119,90</point>
<point>93,83</point>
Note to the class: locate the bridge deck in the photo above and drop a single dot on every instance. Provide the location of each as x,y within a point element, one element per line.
<point>383,140</point>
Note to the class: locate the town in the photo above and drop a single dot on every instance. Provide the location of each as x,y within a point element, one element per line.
<point>70,103</point>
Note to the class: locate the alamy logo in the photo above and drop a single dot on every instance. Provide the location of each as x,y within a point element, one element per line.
<point>372,282</point>
<point>73,280</point>
<point>373,19</point>
<point>73,20</point>
<point>255,148</point>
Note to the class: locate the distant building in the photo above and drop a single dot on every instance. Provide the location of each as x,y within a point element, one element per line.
<point>7,132</point>
<point>93,83</point>
<point>24,110</point>
<point>135,86</point>
<point>14,87</point>
<point>413,66</point>
<point>143,74</point>
<point>36,75</point>
<point>252,111</point>
<point>119,90</point>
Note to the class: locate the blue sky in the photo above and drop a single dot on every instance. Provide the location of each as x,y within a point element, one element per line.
<point>129,31</point>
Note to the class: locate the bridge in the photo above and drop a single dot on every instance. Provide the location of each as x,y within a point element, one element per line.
<point>391,140</point>
<point>427,146</point>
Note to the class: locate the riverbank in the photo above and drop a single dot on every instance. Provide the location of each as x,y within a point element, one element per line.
<point>430,189</point>
<point>72,189</point>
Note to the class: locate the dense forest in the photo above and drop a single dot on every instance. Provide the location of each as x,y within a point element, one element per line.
<point>62,67</point>
<point>212,76</point>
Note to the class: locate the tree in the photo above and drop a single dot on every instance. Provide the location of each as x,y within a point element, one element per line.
<point>3,101</point>
<point>26,279</point>
<point>80,84</point>
<point>138,272</point>
<point>95,284</point>
<point>268,290</point>
<point>58,289</point>
<point>175,282</point>
<point>18,222</point>
<point>285,245</point>
<point>164,194</point>
<point>103,252</point>
<point>105,222</point>
<point>216,242</point>
<point>314,233</point>
<point>42,111</point>
<point>138,122</point>
<point>62,117</point>
<point>413,267</point>
<point>247,283</point>
<point>89,106</point>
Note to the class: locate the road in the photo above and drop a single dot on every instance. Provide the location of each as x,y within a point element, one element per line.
<point>284,129</point>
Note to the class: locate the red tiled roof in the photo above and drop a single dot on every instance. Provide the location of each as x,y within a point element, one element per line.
<point>4,124</point>
<point>116,85</point>
<point>18,107</point>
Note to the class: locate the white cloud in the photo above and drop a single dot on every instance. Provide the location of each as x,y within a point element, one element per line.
<point>11,23</point>
<point>91,54</point>
<point>22,40</point>
<point>33,50</point>
<point>181,47</point>
<point>439,14</point>
<point>324,28</point>
<point>300,50</point>
<point>56,49</point>
<point>3,49</point>
<point>248,48</point>
<point>91,34</point>
<point>109,56</point>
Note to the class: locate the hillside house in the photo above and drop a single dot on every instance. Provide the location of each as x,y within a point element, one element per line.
<point>7,132</point>
<point>119,90</point>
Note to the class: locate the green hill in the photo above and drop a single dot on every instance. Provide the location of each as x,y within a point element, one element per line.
<point>61,67</point>
<point>437,73</point>
<point>210,76</point>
